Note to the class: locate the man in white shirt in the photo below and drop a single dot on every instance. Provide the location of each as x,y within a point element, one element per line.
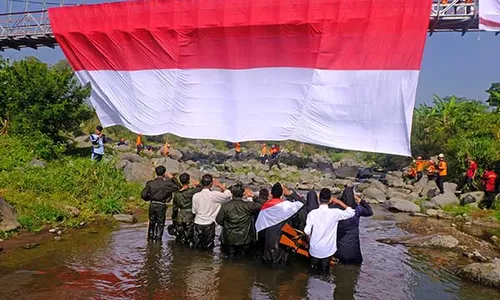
<point>321,228</point>
<point>206,206</point>
<point>97,139</point>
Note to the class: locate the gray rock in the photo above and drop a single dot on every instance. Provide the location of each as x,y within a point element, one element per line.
<point>377,184</point>
<point>348,162</point>
<point>8,218</point>
<point>442,215</point>
<point>341,182</point>
<point>430,188</point>
<point>394,194</point>
<point>346,171</point>
<point>307,178</point>
<point>195,174</point>
<point>374,194</point>
<point>417,214</point>
<point>326,182</point>
<point>125,218</point>
<point>445,199</point>
<point>485,273</point>
<point>439,241</point>
<point>75,212</point>
<point>138,172</point>
<point>305,187</point>
<point>401,205</point>
<point>131,157</point>
<point>412,197</point>
<point>121,164</point>
<point>123,148</point>
<point>432,212</point>
<point>259,180</point>
<point>362,187</point>
<point>450,187</point>
<point>472,197</point>
<point>83,141</point>
<point>397,174</point>
<point>175,154</point>
<point>173,166</point>
<point>36,163</point>
<point>394,181</point>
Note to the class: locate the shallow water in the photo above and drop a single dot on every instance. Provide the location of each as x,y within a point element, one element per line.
<point>118,263</point>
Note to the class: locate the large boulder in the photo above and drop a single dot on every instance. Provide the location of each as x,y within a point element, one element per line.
<point>450,187</point>
<point>372,193</point>
<point>195,174</point>
<point>429,189</point>
<point>346,171</point>
<point>484,273</point>
<point>138,172</point>
<point>443,200</point>
<point>342,182</point>
<point>8,218</point>
<point>123,148</point>
<point>377,184</point>
<point>131,157</point>
<point>394,181</point>
<point>326,182</point>
<point>399,204</point>
<point>121,164</point>
<point>307,178</point>
<point>175,154</point>
<point>362,187</point>
<point>472,197</point>
<point>83,141</point>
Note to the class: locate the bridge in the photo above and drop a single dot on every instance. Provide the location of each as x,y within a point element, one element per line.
<point>25,23</point>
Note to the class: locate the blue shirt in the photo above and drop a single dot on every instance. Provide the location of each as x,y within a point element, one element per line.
<point>97,144</point>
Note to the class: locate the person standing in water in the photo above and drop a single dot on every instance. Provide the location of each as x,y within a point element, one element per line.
<point>159,192</point>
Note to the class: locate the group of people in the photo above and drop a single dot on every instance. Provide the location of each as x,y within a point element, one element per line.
<point>439,171</point>
<point>253,224</point>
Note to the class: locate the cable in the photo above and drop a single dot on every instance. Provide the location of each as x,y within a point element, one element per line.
<point>42,3</point>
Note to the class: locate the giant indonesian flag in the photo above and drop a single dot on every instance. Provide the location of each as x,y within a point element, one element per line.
<point>276,211</point>
<point>489,15</point>
<point>339,73</point>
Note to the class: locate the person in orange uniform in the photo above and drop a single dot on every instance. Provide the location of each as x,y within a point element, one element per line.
<point>419,166</point>
<point>237,148</point>
<point>489,179</point>
<point>263,153</point>
<point>138,143</point>
<point>442,172</point>
<point>166,149</point>
<point>431,170</point>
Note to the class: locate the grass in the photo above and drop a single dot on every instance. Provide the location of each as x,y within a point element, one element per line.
<point>43,196</point>
<point>474,211</point>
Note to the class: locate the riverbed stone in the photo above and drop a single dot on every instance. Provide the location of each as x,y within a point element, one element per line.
<point>373,193</point>
<point>346,171</point>
<point>342,182</point>
<point>121,164</point>
<point>450,187</point>
<point>124,218</point>
<point>131,157</point>
<point>8,217</point>
<point>440,241</point>
<point>485,273</point>
<point>432,212</point>
<point>327,182</point>
<point>377,184</point>
<point>402,205</point>
<point>472,197</point>
<point>445,199</point>
<point>138,172</point>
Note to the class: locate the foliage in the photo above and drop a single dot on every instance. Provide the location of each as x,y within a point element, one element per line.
<point>457,127</point>
<point>43,195</point>
<point>494,91</point>
<point>41,102</point>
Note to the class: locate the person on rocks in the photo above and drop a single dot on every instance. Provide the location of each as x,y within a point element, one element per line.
<point>122,142</point>
<point>431,170</point>
<point>236,219</point>
<point>139,143</point>
<point>348,245</point>
<point>273,215</point>
<point>468,179</point>
<point>321,228</point>
<point>419,167</point>
<point>274,158</point>
<point>206,206</point>
<point>263,153</point>
<point>97,139</point>
<point>182,214</point>
<point>489,180</point>
<point>442,172</point>
<point>159,192</point>
<point>166,149</point>
<point>237,149</point>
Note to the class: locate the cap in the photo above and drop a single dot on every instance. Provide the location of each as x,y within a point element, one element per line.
<point>441,155</point>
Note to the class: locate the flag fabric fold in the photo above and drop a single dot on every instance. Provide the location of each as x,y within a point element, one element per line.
<point>276,211</point>
<point>331,72</point>
<point>489,15</point>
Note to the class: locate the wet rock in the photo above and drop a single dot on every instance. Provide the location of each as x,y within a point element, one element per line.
<point>59,232</point>
<point>31,246</point>
<point>138,172</point>
<point>373,193</point>
<point>57,238</point>
<point>472,197</point>
<point>36,163</point>
<point>445,199</point>
<point>442,215</point>
<point>346,171</point>
<point>401,205</point>
<point>53,230</point>
<point>125,218</point>
<point>417,214</point>
<point>432,212</point>
<point>485,273</point>
<point>8,217</point>
<point>131,157</point>
<point>438,241</point>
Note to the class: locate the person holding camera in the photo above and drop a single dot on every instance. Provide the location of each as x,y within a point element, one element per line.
<point>97,139</point>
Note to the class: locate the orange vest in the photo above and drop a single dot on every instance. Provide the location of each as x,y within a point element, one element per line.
<point>420,165</point>
<point>263,150</point>
<point>443,168</point>
<point>412,172</point>
<point>237,147</point>
<point>138,141</point>
<point>431,170</point>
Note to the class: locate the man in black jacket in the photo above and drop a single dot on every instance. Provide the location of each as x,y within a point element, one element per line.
<point>182,215</point>
<point>236,219</point>
<point>159,193</point>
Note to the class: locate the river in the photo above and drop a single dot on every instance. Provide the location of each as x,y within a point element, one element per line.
<point>116,262</point>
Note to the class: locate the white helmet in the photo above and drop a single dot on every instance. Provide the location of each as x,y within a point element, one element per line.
<point>441,155</point>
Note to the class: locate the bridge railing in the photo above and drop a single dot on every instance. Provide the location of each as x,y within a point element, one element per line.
<point>20,24</point>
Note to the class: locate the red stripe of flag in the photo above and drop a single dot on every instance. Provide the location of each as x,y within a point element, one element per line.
<point>183,34</point>
<point>271,203</point>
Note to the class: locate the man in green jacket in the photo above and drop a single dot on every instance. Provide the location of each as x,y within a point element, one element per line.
<point>182,214</point>
<point>237,220</point>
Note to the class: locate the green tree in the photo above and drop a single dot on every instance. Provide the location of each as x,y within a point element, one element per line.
<point>494,91</point>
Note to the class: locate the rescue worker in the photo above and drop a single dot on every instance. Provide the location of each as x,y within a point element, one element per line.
<point>263,153</point>
<point>273,215</point>
<point>138,143</point>
<point>489,180</point>
<point>236,219</point>
<point>469,175</point>
<point>237,149</point>
<point>122,142</point>
<point>159,192</point>
<point>274,159</point>
<point>321,228</point>
<point>431,170</point>
<point>419,166</point>
<point>182,214</point>
<point>206,206</point>
<point>97,139</point>
<point>166,149</point>
<point>411,175</point>
<point>442,169</point>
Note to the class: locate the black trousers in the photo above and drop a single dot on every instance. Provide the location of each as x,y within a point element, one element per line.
<point>231,250</point>
<point>469,182</point>
<point>488,200</point>
<point>320,263</point>
<point>184,232</point>
<point>273,162</point>
<point>204,236</point>
<point>157,215</point>
<point>440,184</point>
